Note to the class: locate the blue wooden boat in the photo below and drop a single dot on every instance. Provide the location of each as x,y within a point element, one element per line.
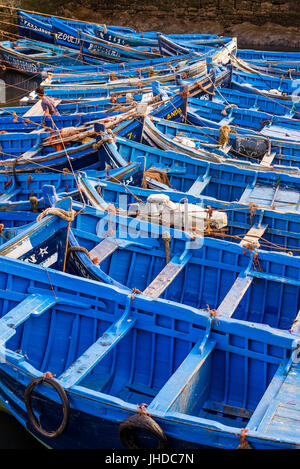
<point>70,94</point>
<point>73,107</point>
<point>104,75</point>
<point>268,56</point>
<point>104,67</point>
<point>25,191</point>
<point>41,28</point>
<point>114,249</point>
<point>272,229</point>
<point>25,153</point>
<point>223,181</point>
<point>169,46</point>
<point>285,71</point>
<point>244,152</point>
<point>273,87</point>
<point>243,144</point>
<point>290,71</point>
<point>89,380</point>
<point>112,52</point>
<point>244,120</point>
<point>192,69</point>
<point>28,152</point>
<point>256,102</point>
<point>32,57</point>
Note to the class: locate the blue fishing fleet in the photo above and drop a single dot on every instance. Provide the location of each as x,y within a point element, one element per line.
<point>150,239</point>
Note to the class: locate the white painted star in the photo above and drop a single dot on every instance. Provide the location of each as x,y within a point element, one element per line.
<point>43,251</point>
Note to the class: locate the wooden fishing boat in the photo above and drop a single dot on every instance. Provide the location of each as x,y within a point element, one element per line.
<point>195,69</point>
<point>73,107</point>
<point>32,57</point>
<point>244,121</point>
<point>273,87</point>
<point>26,153</point>
<point>24,192</point>
<point>265,68</point>
<point>268,56</point>
<point>104,75</point>
<point>135,254</point>
<point>39,316</point>
<point>223,181</point>
<point>272,228</point>
<point>256,102</point>
<point>246,152</point>
<point>105,67</point>
<point>168,46</point>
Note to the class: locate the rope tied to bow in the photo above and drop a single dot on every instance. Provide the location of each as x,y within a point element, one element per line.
<point>224,111</point>
<point>213,313</point>
<point>67,215</point>
<point>94,260</point>
<point>142,409</point>
<point>244,444</point>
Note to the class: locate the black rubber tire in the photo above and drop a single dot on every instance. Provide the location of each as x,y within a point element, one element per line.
<point>65,405</point>
<point>128,429</point>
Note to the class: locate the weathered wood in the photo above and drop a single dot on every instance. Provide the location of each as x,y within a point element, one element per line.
<point>179,391</point>
<point>104,249</point>
<point>267,159</point>
<point>75,136</point>
<point>89,359</point>
<point>34,304</point>
<point>253,235</point>
<point>234,296</point>
<point>166,276</point>
<point>198,186</point>
<point>37,110</point>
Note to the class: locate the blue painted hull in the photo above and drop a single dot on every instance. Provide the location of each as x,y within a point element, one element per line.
<point>39,59</point>
<point>99,412</point>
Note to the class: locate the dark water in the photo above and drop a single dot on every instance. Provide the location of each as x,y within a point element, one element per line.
<point>14,436</point>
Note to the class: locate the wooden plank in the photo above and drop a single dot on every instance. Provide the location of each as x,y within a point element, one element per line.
<point>253,235</point>
<point>8,195</point>
<point>226,409</point>
<point>104,249</point>
<point>29,154</point>
<point>34,304</point>
<point>37,110</point>
<point>98,350</point>
<point>282,416</point>
<point>235,295</point>
<point>267,159</point>
<point>166,276</point>
<point>199,185</point>
<point>178,394</point>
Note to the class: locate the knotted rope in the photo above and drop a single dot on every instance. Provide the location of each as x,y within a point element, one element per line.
<point>67,215</point>
<point>94,260</point>
<point>244,444</point>
<point>224,111</point>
